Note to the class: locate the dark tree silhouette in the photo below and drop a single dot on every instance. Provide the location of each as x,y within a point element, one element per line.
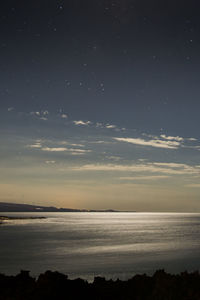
<point>55,286</point>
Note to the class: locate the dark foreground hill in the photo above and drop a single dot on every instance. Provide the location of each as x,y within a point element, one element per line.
<point>55,286</point>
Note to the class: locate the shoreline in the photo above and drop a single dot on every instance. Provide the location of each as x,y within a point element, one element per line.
<point>8,218</point>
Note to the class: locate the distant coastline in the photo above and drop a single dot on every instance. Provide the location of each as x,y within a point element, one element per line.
<point>16,207</point>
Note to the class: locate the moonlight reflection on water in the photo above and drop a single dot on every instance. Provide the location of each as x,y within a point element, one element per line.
<point>108,244</point>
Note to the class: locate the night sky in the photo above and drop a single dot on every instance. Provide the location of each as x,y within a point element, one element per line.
<point>100,104</point>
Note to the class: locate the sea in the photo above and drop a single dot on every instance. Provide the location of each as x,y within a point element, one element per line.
<point>112,245</point>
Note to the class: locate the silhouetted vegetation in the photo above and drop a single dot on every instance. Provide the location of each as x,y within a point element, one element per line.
<point>54,285</point>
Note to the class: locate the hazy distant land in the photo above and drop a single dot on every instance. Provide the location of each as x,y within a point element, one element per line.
<point>15,207</point>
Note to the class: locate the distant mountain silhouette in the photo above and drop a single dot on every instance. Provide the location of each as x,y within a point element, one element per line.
<point>15,207</point>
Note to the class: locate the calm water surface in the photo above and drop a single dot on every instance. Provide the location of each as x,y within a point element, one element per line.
<point>107,244</point>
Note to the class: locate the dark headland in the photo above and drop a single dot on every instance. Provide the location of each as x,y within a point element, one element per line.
<point>56,286</point>
<point>15,207</point>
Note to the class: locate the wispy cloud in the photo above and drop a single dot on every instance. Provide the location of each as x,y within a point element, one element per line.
<point>69,150</point>
<point>64,116</point>
<point>165,137</point>
<point>150,177</point>
<point>80,150</point>
<point>83,123</point>
<point>70,144</point>
<point>101,142</point>
<point>34,146</point>
<point>45,112</point>
<point>170,165</point>
<point>35,113</point>
<point>193,185</point>
<point>59,146</point>
<point>153,167</point>
<point>113,157</point>
<point>110,126</point>
<point>172,138</point>
<point>75,152</point>
<point>99,125</point>
<point>41,114</point>
<point>77,145</point>
<point>57,149</point>
<point>10,108</point>
<point>152,143</point>
<point>37,144</point>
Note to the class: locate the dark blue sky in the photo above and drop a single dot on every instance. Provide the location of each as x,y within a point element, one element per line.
<point>134,62</point>
<point>125,69</point>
